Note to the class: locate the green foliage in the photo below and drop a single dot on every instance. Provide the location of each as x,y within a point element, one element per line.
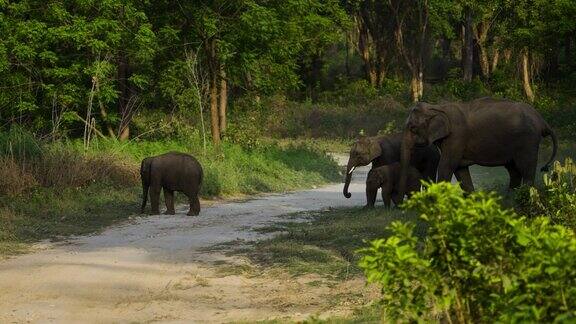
<point>333,118</point>
<point>20,144</point>
<point>556,200</point>
<point>455,89</point>
<point>478,263</point>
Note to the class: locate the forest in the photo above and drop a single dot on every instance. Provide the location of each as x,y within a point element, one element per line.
<point>71,65</point>
<point>271,97</point>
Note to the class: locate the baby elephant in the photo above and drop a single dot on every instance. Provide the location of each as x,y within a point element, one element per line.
<point>387,177</point>
<point>171,172</point>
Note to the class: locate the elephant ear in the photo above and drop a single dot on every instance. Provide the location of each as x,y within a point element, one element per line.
<point>375,150</point>
<point>438,127</point>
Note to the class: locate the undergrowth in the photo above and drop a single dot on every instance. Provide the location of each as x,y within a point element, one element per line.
<point>55,189</point>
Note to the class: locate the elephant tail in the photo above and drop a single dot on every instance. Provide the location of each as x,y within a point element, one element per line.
<point>144,197</point>
<point>145,171</point>
<point>549,131</point>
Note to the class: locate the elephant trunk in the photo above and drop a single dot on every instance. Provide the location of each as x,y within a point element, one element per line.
<point>349,169</point>
<point>405,156</point>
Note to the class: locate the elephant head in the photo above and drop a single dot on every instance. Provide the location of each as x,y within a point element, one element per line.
<point>363,151</point>
<point>145,170</point>
<point>426,125</point>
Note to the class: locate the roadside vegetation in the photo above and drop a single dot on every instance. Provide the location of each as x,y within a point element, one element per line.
<point>445,256</point>
<point>52,190</point>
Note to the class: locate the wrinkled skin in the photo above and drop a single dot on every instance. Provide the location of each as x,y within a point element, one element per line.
<point>486,131</point>
<point>384,150</point>
<point>387,177</point>
<point>171,172</point>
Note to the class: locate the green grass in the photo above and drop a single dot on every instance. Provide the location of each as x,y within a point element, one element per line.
<point>55,214</point>
<point>325,244</point>
<point>60,204</point>
<point>231,169</point>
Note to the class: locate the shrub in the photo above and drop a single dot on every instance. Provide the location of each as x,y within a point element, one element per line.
<point>478,263</point>
<point>556,199</point>
<point>19,144</point>
<point>456,89</point>
<point>14,179</point>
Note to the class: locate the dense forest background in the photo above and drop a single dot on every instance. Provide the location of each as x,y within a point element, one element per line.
<point>130,68</point>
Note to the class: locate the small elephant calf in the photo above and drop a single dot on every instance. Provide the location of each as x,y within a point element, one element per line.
<point>171,172</point>
<point>387,177</point>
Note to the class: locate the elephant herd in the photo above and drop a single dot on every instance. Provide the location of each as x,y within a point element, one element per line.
<point>439,141</point>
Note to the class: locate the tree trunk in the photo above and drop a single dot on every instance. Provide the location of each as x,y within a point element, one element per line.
<point>123,99</point>
<point>507,55</point>
<point>417,85</point>
<point>468,48</point>
<point>347,62</point>
<point>214,71</point>
<point>484,60</point>
<point>381,74</point>
<point>364,44</point>
<point>223,100</point>
<point>103,110</point>
<point>526,75</point>
<point>495,60</point>
<point>214,121</point>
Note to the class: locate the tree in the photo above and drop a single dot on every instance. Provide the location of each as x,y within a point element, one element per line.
<point>534,28</point>
<point>59,53</point>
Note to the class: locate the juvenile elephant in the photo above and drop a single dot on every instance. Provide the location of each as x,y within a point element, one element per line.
<point>387,177</point>
<point>486,131</point>
<point>171,172</point>
<point>383,150</point>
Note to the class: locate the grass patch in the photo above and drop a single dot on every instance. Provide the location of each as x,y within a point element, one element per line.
<point>52,190</point>
<point>53,214</point>
<point>326,244</point>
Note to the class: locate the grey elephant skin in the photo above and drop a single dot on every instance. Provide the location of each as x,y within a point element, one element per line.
<point>387,178</point>
<point>486,131</point>
<point>169,172</point>
<point>384,150</point>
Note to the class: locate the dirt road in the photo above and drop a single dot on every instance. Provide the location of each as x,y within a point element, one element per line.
<point>160,268</point>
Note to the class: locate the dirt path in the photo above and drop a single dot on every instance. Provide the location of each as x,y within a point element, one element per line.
<point>160,268</point>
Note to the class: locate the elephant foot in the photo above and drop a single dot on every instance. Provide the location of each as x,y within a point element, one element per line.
<point>169,212</point>
<point>154,212</point>
<point>368,207</point>
<point>190,213</point>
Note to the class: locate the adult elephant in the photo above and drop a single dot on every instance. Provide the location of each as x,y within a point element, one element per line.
<point>169,172</point>
<point>486,131</point>
<point>385,150</point>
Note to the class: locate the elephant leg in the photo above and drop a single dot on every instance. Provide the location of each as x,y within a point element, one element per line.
<point>446,169</point>
<point>463,176</point>
<point>526,165</point>
<point>194,205</point>
<point>371,192</point>
<point>396,198</point>
<point>431,168</point>
<point>155,199</point>
<point>515,176</point>
<point>169,201</point>
<point>387,197</point>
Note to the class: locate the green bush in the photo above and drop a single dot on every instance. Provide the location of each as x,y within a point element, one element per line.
<point>19,144</point>
<point>557,197</point>
<point>478,263</point>
<point>456,90</point>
